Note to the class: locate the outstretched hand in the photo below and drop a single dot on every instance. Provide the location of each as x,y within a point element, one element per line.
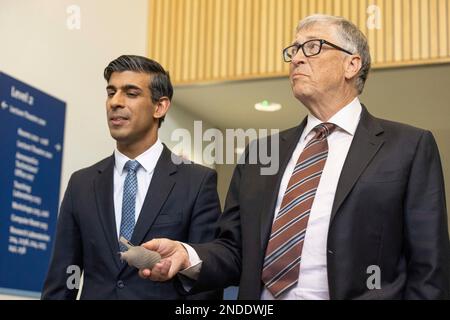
<point>174,258</point>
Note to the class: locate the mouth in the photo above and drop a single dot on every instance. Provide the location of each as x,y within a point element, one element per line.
<point>298,75</point>
<point>118,120</point>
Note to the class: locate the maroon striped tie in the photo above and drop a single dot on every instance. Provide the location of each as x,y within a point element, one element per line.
<point>283,255</point>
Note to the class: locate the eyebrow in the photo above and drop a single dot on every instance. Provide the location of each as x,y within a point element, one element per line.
<point>307,38</point>
<point>125,87</point>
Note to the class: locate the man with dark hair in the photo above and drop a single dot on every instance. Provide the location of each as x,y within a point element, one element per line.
<point>160,85</point>
<point>139,193</point>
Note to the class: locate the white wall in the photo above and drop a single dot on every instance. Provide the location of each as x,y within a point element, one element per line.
<point>39,49</point>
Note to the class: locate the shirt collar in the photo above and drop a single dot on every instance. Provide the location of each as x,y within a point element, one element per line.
<point>147,159</point>
<point>346,119</point>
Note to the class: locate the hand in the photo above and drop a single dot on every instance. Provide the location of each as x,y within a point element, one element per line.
<point>174,258</point>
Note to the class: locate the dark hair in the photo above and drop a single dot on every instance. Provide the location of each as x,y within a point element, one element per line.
<point>160,85</point>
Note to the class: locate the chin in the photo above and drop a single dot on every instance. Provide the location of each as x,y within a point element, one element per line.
<point>302,96</point>
<point>300,93</point>
<point>118,136</point>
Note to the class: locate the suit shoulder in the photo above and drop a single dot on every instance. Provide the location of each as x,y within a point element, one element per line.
<point>405,137</point>
<point>398,129</point>
<point>275,135</point>
<point>289,131</point>
<point>398,126</point>
<point>89,172</point>
<point>192,167</point>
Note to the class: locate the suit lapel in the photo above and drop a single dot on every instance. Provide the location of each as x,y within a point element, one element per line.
<point>288,142</point>
<point>160,187</point>
<point>366,143</point>
<point>103,188</point>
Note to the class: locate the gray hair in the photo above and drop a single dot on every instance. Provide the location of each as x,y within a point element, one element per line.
<point>351,38</point>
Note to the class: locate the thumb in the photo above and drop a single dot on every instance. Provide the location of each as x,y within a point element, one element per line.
<point>152,244</point>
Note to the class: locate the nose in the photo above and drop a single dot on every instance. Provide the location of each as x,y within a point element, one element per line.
<point>115,101</point>
<point>299,58</point>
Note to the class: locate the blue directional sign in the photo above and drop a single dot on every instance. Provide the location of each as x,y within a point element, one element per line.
<point>31,144</point>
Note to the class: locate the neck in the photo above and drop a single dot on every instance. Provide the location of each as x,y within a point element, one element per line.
<point>132,150</point>
<point>328,105</point>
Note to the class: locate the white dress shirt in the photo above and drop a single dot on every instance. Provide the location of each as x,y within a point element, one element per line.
<point>147,161</point>
<point>313,278</point>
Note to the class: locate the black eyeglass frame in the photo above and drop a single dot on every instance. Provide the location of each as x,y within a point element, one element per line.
<point>302,46</point>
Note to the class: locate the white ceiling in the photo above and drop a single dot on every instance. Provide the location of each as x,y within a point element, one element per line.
<point>231,104</point>
<point>408,95</point>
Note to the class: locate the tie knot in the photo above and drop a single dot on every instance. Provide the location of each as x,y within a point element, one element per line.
<point>132,165</point>
<point>323,130</point>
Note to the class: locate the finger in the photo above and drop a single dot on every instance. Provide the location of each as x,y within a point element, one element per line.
<point>155,273</point>
<point>165,268</point>
<point>152,244</point>
<point>160,271</point>
<point>145,273</point>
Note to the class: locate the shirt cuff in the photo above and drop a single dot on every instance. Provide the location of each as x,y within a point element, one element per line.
<point>189,275</point>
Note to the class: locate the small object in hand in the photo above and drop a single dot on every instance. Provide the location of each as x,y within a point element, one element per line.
<point>138,256</point>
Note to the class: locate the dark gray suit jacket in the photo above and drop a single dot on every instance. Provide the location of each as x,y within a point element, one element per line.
<point>389,210</point>
<point>181,204</point>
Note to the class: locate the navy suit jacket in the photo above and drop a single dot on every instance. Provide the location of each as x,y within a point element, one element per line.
<point>181,204</point>
<point>389,211</point>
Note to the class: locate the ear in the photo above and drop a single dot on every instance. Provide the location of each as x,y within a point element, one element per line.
<point>352,66</point>
<point>161,107</point>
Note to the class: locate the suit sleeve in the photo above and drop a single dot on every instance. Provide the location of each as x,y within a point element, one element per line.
<point>203,224</point>
<point>427,240</point>
<point>206,212</point>
<point>221,258</point>
<point>67,252</point>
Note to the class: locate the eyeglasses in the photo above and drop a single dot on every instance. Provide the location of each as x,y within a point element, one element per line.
<point>310,48</point>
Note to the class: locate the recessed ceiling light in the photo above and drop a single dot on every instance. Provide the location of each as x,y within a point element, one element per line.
<point>267,106</point>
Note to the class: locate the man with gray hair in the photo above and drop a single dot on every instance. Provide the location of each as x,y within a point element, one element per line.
<point>357,209</point>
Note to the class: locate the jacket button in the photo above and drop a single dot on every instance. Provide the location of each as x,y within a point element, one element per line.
<point>330,252</point>
<point>120,284</point>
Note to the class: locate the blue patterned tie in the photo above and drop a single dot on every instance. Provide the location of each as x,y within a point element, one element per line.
<point>129,201</point>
